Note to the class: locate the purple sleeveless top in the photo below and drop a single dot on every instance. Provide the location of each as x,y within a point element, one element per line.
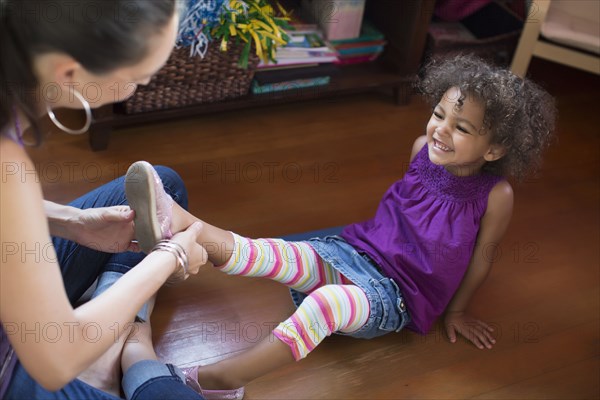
<point>423,234</point>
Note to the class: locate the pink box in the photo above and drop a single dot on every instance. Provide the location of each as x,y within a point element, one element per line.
<point>338,19</point>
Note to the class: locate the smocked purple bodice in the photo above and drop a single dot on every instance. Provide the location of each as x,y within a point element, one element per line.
<point>423,234</point>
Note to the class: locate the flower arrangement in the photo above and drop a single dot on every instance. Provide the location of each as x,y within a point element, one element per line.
<point>253,23</point>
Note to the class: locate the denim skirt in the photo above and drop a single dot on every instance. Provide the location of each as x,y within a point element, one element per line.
<point>388,311</point>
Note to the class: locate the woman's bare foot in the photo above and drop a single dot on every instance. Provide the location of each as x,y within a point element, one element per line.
<point>138,345</point>
<point>105,373</point>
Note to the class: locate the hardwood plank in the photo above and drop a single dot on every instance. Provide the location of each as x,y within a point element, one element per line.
<point>577,381</point>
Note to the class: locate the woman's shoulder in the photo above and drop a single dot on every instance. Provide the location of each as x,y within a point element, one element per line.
<point>18,175</point>
<point>11,151</point>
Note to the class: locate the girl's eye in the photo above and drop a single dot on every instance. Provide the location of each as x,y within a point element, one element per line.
<point>463,130</point>
<point>438,115</point>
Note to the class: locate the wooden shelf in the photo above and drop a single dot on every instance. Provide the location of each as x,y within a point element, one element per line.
<point>351,79</point>
<point>404,24</point>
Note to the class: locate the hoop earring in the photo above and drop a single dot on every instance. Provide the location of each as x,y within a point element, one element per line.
<point>88,116</point>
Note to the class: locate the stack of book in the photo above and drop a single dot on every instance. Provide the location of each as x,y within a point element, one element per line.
<point>304,47</point>
<point>366,48</point>
<point>306,61</point>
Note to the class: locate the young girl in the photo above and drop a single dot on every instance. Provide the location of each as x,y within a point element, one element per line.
<point>423,252</point>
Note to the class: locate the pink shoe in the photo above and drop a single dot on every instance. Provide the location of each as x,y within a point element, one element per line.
<point>191,379</point>
<point>152,205</point>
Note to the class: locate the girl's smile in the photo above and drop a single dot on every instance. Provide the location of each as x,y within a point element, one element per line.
<point>441,146</point>
<point>456,136</point>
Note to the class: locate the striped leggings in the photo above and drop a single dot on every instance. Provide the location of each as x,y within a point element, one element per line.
<point>333,303</point>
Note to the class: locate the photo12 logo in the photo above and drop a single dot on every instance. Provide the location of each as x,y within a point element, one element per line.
<point>269,172</point>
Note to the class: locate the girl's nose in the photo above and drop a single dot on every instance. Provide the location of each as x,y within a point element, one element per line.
<point>442,129</point>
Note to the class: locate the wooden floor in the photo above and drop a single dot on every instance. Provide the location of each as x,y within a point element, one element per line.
<point>294,168</point>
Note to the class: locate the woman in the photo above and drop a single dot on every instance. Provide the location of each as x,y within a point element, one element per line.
<point>50,52</point>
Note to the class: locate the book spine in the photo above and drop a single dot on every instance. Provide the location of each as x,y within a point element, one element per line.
<point>290,85</point>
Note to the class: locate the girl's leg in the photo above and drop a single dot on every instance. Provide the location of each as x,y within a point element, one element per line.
<point>295,264</point>
<point>328,309</point>
<point>332,305</point>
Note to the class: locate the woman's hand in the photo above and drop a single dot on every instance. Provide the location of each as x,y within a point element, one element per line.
<point>107,229</point>
<point>196,254</point>
<point>476,331</point>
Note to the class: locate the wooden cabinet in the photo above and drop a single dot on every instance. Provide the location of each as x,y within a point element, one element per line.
<point>404,24</point>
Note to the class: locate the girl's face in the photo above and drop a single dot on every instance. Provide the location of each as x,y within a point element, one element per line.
<point>59,74</point>
<point>456,137</point>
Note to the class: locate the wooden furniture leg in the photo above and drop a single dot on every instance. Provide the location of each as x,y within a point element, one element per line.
<point>100,131</point>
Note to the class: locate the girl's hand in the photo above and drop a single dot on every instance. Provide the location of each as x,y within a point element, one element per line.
<point>197,255</point>
<point>107,229</point>
<point>476,331</point>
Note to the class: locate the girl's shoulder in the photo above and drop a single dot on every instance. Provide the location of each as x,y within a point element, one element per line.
<point>500,202</point>
<point>417,146</point>
<point>501,194</point>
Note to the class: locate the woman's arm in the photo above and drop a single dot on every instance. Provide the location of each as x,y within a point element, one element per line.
<point>107,229</point>
<point>53,341</point>
<point>493,226</point>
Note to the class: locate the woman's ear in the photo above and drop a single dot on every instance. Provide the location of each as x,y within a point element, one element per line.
<point>495,152</point>
<point>57,71</point>
<point>65,70</point>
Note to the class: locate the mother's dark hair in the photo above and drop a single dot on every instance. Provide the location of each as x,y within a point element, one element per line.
<point>101,35</point>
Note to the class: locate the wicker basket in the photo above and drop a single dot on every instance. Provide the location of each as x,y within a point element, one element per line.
<point>186,81</point>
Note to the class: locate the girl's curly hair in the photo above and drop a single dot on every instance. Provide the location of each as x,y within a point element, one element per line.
<point>519,114</point>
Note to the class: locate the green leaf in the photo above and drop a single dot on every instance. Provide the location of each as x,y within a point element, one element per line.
<point>245,55</point>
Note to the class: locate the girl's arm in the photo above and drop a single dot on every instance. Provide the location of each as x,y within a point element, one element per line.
<point>493,226</point>
<point>53,341</point>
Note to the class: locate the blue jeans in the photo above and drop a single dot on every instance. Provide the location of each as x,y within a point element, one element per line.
<point>388,310</point>
<point>80,267</point>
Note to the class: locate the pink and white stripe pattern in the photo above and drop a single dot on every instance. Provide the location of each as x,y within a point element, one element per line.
<point>295,264</point>
<point>333,303</point>
<point>329,309</point>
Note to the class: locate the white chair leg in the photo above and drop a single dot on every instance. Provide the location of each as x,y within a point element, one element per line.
<point>529,36</point>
